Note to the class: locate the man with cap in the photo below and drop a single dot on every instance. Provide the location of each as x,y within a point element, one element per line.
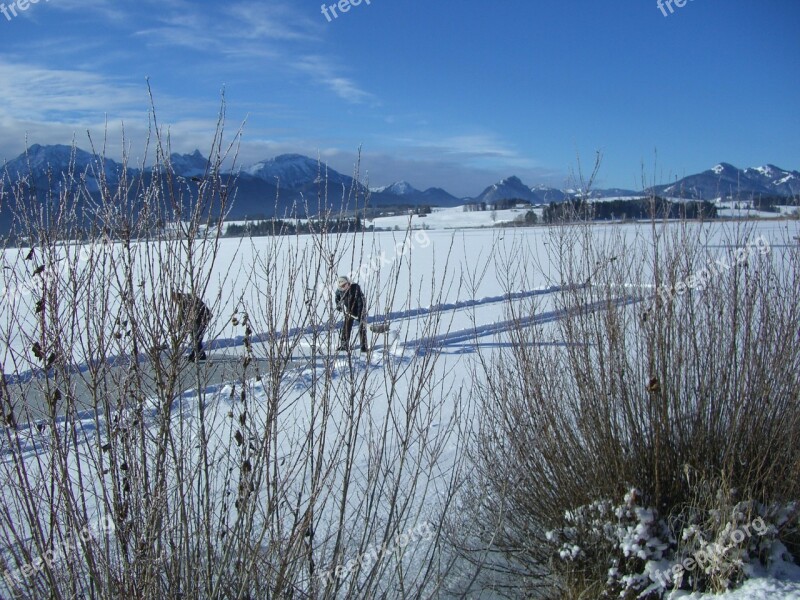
<point>350,300</point>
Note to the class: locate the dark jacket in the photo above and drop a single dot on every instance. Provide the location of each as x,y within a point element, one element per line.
<point>192,311</point>
<point>351,301</point>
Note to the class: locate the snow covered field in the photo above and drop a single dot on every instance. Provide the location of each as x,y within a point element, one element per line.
<point>452,218</point>
<point>456,218</point>
<point>448,301</point>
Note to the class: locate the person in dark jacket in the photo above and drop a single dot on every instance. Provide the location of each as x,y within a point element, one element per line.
<point>350,300</point>
<point>193,318</point>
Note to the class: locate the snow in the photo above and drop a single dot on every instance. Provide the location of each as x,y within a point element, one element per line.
<point>401,188</point>
<point>743,209</point>
<point>781,582</point>
<point>615,198</point>
<point>451,218</point>
<point>189,165</point>
<point>766,171</point>
<point>472,320</point>
<point>290,169</point>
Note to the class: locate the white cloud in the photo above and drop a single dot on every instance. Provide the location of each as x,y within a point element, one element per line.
<point>274,21</point>
<point>264,41</point>
<point>30,92</point>
<point>240,32</point>
<point>108,9</point>
<point>324,72</point>
<point>477,149</point>
<point>242,29</point>
<point>59,106</point>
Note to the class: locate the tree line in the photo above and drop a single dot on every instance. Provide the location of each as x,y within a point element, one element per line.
<point>644,208</point>
<point>294,227</point>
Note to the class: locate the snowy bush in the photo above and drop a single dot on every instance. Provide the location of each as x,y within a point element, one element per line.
<point>690,397</point>
<point>644,558</point>
<point>619,538</point>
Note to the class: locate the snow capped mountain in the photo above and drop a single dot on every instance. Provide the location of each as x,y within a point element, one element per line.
<point>282,185</point>
<point>60,159</point>
<point>295,171</point>
<point>399,188</point>
<point>725,170</point>
<point>405,194</point>
<point>784,183</point>
<point>288,168</point>
<point>189,165</point>
<point>767,171</point>
<point>507,189</point>
<point>512,188</point>
<point>725,180</point>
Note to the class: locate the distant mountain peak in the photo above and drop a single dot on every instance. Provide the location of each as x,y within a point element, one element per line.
<point>769,171</point>
<point>512,188</point>
<point>513,180</point>
<point>39,159</point>
<point>726,181</point>
<point>189,165</point>
<point>295,171</point>
<point>399,188</point>
<point>56,153</point>
<point>723,167</point>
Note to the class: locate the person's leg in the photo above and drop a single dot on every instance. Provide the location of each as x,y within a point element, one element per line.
<point>199,330</point>
<point>362,330</point>
<point>346,331</point>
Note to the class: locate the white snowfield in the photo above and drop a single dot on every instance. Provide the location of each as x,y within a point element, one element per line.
<point>449,271</point>
<point>452,218</point>
<point>457,218</point>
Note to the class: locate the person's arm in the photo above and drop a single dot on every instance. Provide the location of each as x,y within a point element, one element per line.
<point>339,295</point>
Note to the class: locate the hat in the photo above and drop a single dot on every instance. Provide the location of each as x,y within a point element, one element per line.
<point>343,282</point>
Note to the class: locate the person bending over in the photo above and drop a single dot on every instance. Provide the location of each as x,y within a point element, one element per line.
<point>193,318</point>
<point>350,300</point>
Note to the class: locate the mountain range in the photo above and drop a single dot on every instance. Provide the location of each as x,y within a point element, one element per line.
<point>724,180</point>
<point>293,184</point>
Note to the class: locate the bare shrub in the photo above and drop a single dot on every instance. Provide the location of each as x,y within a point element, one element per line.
<point>667,372</point>
<point>128,472</point>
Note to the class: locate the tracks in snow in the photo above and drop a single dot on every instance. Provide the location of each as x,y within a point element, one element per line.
<point>423,343</point>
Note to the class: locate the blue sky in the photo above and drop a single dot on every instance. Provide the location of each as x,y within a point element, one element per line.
<point>456,94</point>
